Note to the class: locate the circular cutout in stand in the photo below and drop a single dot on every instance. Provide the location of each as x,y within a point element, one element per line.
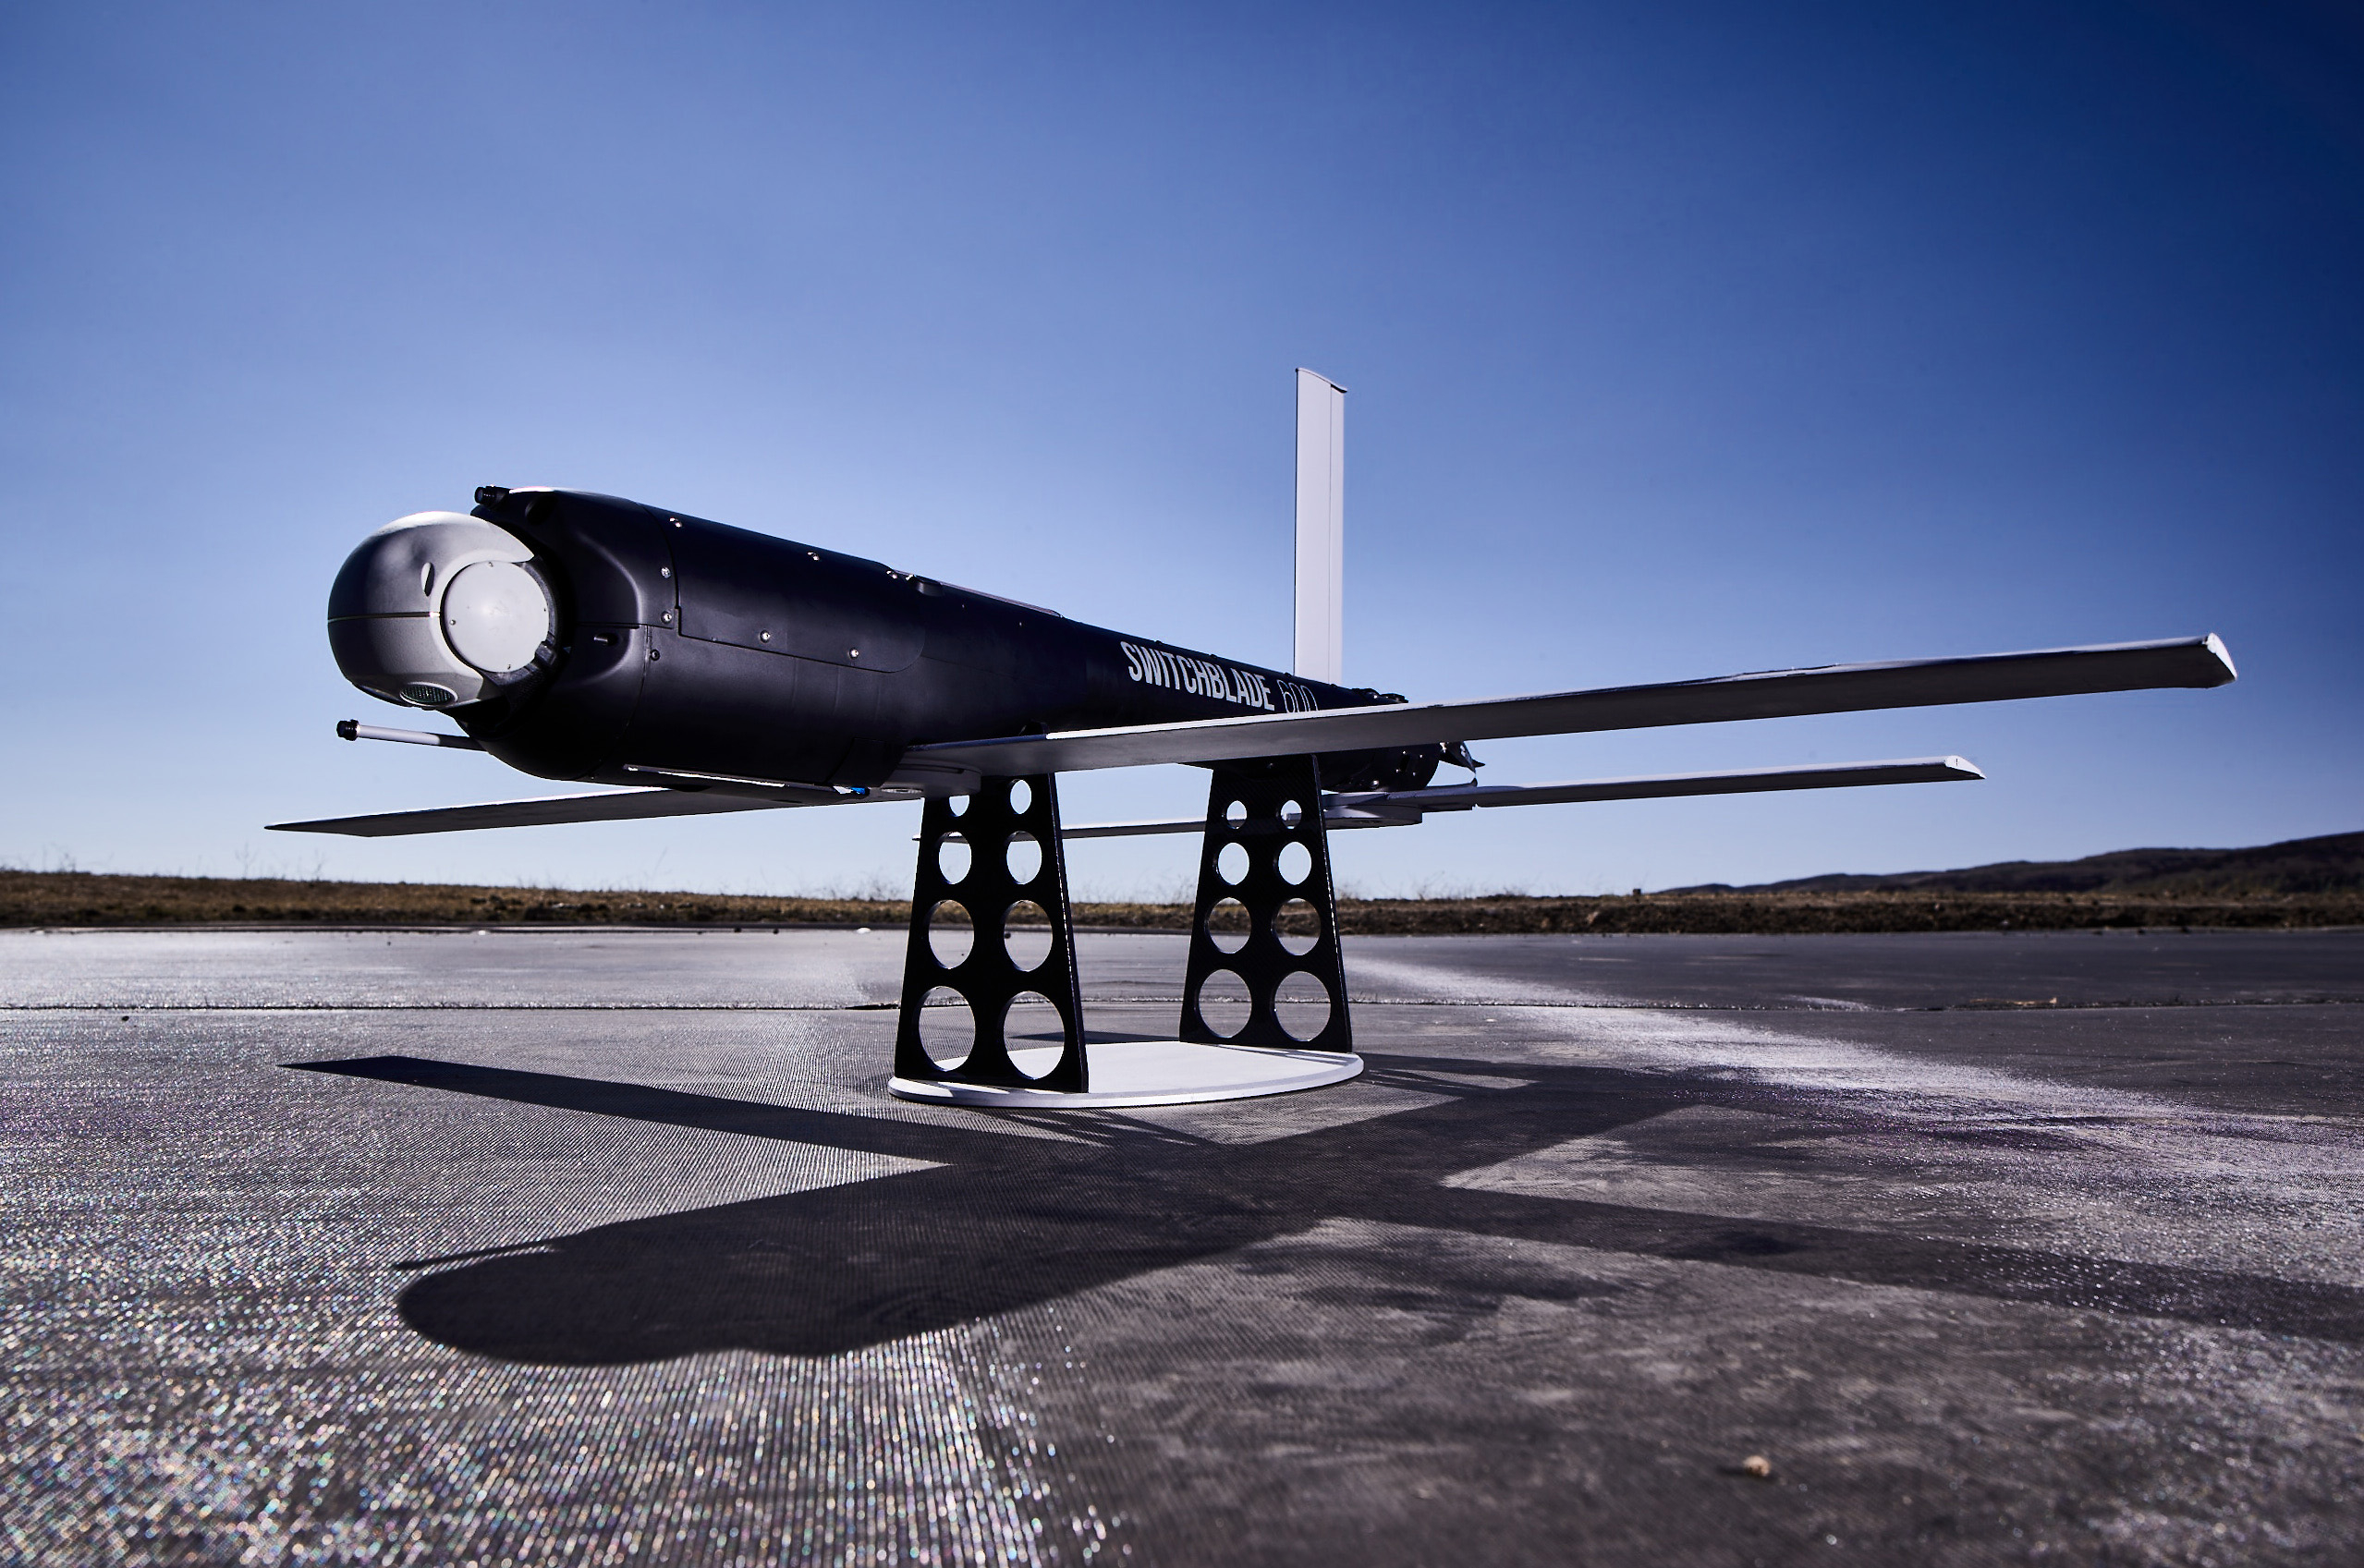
<point>1298,926</point>
<point>1025,858</point>
<point>947,1029</point>
<point>950,936</point>
<point>1025,935</point>
<point>1224,1002</point>
<point>1036,1034</point>
<point>1228,926</point>
<point>1302,1004</point>
<point>952,857</point>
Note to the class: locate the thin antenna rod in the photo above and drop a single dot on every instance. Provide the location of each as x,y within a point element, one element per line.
<point>1320,528</point>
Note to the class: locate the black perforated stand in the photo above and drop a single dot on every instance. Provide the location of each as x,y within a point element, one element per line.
<point>989,978</point>
<point>1263,807</point>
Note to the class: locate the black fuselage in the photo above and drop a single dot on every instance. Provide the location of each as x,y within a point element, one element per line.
<point>690,647</point>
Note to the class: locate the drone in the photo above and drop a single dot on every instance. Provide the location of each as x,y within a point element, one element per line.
<point>690,667</point>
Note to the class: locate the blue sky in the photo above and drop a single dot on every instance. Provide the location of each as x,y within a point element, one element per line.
<point>1683,340</point>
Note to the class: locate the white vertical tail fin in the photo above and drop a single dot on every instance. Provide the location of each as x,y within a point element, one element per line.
<point>1320,528</point>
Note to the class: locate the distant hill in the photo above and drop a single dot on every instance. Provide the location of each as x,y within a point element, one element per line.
<point>2333,863</point>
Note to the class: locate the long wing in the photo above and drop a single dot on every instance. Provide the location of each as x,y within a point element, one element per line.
<point>1776,693</point>
<point>1404,808</point>
<point>607,806</point>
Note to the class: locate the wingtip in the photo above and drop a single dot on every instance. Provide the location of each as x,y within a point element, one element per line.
<point>2224,656</point>
<point>1964,768</point>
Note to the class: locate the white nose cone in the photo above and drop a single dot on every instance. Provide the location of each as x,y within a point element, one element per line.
<point>495,615</point>
<point>433,609</point>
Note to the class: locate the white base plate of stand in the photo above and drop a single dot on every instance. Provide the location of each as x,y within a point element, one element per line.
<point>1155,1072</point>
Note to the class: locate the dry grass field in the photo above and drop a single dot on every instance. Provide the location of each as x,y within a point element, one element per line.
<point>78,898</point>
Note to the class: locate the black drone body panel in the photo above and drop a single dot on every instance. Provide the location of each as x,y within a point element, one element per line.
<point>688,647</point>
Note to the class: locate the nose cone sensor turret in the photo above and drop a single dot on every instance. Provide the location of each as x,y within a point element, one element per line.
<point>439,609</point>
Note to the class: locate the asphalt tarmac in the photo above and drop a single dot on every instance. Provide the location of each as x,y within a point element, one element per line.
<point>608,1247</point>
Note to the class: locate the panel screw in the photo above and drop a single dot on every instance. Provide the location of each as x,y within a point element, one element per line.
<point>766,635</point>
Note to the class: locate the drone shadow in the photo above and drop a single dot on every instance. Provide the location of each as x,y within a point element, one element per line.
<point>1000,1222</point>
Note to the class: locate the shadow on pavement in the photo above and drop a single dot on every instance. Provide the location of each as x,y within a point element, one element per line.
<point>1003,1221</point>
